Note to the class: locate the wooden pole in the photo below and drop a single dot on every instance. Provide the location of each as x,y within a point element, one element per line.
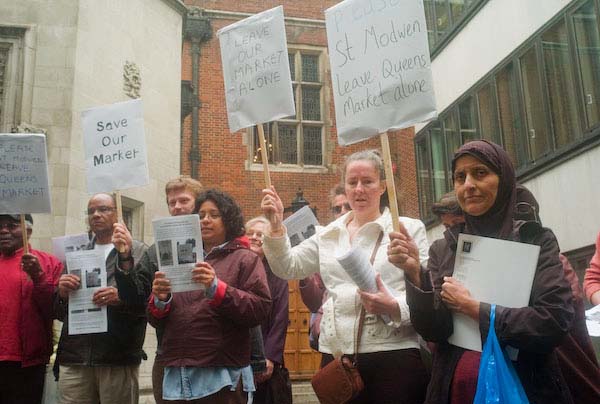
<point>24,233</point>
<point>264,154</point>
<point>389,177</point>
<point>121,248</point>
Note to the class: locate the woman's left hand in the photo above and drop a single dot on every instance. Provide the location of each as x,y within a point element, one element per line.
<point>380,302</point>
<point>203,273</point>
<point>458,298</point>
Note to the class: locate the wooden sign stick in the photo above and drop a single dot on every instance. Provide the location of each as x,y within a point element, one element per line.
<point>24,233</point>
<point>263,154</point>
<point>119,214</point>
<point>389,177</point>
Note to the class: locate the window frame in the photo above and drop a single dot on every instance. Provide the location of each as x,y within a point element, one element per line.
<point>297,86</point>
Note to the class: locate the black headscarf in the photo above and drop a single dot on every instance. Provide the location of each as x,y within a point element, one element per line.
<point>498,220</point>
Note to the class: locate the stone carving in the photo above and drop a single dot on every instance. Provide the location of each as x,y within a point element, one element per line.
<point>25,127</point>
<point>132,84</point>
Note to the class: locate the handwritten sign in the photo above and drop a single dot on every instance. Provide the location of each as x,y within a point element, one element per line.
<point>380,67</point>
<point>115,147</point>
<point>23,174</point>
<point>258,85</point>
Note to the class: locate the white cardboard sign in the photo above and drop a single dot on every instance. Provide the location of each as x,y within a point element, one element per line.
<point>380,67</point>
<point>24,184</point>
<point>115,147</point>
<point>256,71</point>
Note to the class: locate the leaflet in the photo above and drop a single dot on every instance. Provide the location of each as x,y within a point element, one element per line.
<point>178,242</point>
<point>301,225</point>
<point>592,321</point>
<point>494,271</point>
<point>65,244</point>
<point>84,316</point>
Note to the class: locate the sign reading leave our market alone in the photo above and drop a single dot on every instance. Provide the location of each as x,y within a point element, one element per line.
<point>24,184</point>
<point>380,67</point>
<point>115,147</point>
<point>256,71</point>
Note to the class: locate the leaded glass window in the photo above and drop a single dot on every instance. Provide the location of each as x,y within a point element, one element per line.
<point>298,139</point>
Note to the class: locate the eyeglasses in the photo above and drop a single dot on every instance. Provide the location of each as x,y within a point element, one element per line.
<point>338,209</point>
<point>210,215</point>
<point>101,209</point>
<point>10,226</point>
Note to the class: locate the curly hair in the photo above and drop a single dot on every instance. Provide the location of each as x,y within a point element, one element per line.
<point>231,213</point>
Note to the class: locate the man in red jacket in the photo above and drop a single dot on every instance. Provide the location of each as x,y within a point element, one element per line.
<point>27,282</point>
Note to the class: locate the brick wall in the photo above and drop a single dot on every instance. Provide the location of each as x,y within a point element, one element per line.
<point>224,155</point>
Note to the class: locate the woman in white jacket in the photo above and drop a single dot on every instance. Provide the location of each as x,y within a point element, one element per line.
<point>389,360</point>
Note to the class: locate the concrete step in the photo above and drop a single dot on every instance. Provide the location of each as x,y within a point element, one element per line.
<point>302,393</point>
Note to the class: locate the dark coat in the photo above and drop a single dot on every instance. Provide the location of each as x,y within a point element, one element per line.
<point>198,332</point>
<point>122,344</point>
<point>274,329</point>
<point>535,330</point>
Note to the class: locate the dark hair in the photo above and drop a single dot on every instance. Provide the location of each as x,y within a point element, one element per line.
<point>448,204</point>
<point>231,213</point>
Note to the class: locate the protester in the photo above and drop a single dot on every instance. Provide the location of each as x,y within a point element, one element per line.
<point>484,181</point>
<point>576,355</point>
<point>448,210</point>
<point>591,282</point>
<point>181,194</point>
<point>205,346</point>
<point>312,290</point>
<point>389,360</point>
<point>27,283</point>
<point>273,386</point>
<point>104,367</point>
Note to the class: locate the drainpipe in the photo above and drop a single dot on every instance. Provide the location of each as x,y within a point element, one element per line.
<point>197,30</point>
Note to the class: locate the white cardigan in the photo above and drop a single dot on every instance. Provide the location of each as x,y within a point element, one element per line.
<point>340,311</point>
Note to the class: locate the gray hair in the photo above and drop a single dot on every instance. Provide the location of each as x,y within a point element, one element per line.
<point>257,219</point>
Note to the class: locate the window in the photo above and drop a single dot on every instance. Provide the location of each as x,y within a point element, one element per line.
<point>3,68</point>
<point>541,103</point>
<point>11,76</point>
<point>587,43</point>
<point>445,17</point>
<point>298,140</point>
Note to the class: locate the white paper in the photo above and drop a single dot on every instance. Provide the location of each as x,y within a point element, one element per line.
<point>65,244</point>
<point>256,71</point>
<point>115,147</point>
<point>380,67</point>
<point>179,246</point>
<point>301,225</point>
<point>357,265</point>
<point>494,271</point>
<point>592,320</point>
<point>84,316</point>
<point>23,174</point>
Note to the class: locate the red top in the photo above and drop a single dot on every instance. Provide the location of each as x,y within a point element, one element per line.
<point>591,282</point>
<point>26,309</point>
<point>464,382</point>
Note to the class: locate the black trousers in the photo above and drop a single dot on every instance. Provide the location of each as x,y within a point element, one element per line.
<point>390,377</point>
<point>21,385</point>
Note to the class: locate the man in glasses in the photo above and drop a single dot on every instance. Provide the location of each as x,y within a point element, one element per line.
<point>448,210</point>
<point>339,201</point>
<point>103,367</point>
<point>576,355</point>
<point>27,283</point>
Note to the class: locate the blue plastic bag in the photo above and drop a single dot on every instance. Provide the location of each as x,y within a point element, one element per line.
<point>498,382</point>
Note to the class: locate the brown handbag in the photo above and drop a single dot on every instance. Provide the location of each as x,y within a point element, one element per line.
<point>339,381</point>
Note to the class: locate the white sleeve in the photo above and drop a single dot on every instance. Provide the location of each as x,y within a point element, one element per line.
<point>292,263</point>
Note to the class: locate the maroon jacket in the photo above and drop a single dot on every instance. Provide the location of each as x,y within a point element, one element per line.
<point>36,306</point>
<point>274,329</point>
<point>203,332</point>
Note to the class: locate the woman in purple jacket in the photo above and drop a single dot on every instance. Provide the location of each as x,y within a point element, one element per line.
<point>206,342</point>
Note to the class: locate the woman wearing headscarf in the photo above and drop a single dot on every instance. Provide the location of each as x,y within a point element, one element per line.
<point>484,181</point>
<point>205,347</point>
<point>388,352</point>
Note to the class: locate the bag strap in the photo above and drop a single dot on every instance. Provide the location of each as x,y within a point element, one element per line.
<point>361,318</point>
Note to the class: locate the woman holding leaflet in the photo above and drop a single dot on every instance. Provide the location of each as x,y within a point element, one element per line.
<point>484,181</point>
<point>388,353</point>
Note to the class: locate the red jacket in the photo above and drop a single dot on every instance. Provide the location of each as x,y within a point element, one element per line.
<point>204,332</point>
<point>35,330</point>
<point>591,282</point>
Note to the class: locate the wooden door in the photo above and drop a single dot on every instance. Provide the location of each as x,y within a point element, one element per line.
<point>300,359</point>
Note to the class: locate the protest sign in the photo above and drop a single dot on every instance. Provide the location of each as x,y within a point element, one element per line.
<point>24,184</point>
<point>380,67</point>
<point>258,84</point>
<point>115,147</point>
